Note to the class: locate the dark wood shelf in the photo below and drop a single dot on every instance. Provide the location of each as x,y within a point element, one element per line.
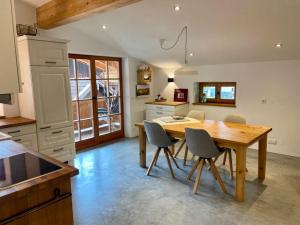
<point>215,104</point>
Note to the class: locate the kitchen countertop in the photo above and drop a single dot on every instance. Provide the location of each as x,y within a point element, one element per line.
<point>167,103</point>
<point>15,121</point>
<point>10,148</point>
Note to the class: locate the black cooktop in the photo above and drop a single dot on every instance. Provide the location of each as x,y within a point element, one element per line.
<point>19,168</point>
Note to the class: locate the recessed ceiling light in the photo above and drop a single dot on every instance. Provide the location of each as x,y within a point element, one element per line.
<point>177,8</point>
<point>104,27</point>
<point>191,54</point>
<point>278,45</point>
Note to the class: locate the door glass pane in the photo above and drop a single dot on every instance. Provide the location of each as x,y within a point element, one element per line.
<point>75,110</point>
<point>113,69</point>
<point>86,109</point>
<point>84,89</point>
<point>210,92</point>
<point>104,125</point>
<point>86,129</point>
<point>74,90</point>
<point>102,107</point>
<point>114,87</point>
<point>227,93</point>
<point>76,131</point>
<point>72,68</point>
<point>115,122</point>
<point>102,88</point>
<point>114,105</point>
<point>101,71</point>
<point>83,69</point>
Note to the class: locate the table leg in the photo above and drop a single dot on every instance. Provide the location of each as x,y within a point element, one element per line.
<point>142,146</point>
<point>262,157</point>
<point>240,173</point>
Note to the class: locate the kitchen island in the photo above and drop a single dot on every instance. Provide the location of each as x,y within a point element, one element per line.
<point>34,189</point>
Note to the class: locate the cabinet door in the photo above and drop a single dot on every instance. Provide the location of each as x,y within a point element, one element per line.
<point>29,141</point>
<point>51,89</point>
<point>9,74</point>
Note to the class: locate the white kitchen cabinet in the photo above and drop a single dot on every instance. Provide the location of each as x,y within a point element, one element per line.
<point>9,73</point>
<point>46,94</point>
<point>51,88</point>
<point>156,110</point>
<point>28,140</point>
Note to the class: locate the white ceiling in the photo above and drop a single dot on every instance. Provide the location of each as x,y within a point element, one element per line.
<point>220,31</point>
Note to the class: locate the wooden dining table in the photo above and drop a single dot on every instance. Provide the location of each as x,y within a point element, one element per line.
<point>229,135</point>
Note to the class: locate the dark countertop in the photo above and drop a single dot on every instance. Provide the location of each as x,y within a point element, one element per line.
<point>15,121</point>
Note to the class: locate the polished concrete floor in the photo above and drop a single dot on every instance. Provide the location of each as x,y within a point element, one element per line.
<point>112,189</point>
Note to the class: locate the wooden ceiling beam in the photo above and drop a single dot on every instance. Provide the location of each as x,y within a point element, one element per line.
<point>58,12</point>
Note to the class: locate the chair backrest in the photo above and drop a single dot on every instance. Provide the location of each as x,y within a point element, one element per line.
<point>195,114</point>
<point>156,134</point>
<point>232,118</point>
<point>200,143</point>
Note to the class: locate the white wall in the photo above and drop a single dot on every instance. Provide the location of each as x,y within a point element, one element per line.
<point>25,14</point>
<point>277,82</point>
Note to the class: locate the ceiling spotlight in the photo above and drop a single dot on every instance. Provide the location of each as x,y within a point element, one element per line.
<point>177,8</point>
<point>104,27</point>
<point>191,54</point>
<point>278,45</point>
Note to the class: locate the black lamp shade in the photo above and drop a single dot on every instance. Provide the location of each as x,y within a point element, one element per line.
<point>170,79</point>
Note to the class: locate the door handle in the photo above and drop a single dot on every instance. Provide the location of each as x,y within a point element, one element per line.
<point>14,132</point>
<point>57,132</point>
<point>43,128</point>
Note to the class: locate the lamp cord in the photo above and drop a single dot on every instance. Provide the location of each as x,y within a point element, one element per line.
<point>184,29</point>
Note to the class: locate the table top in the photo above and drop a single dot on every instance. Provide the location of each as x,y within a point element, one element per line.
<point>234,133</point>
<point>15,121</point>
<point>168,103</point>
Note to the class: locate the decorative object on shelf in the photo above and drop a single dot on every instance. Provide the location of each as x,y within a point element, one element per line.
<point>160,99</point>
<point>203,98</point>
<point>144,74</point>
<point>142,90</point>
<point>170,79</point>
<point>183,30</point>
<point>24,29</point>
<point>180,95</point>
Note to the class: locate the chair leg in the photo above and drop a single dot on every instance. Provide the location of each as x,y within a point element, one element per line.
<point>225,156</point>
<point>191,173</point>
<point>197,181</point>
<point>230,163</point>
<point>173,159</point>
<point>216,174</point>
<point>156,160</point>
<point>169,163</point>
<point>185,155</point>
<point>153,161</point>
<point>179,149</point>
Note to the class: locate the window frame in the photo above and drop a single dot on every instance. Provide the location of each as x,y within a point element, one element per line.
<point>218,100</point>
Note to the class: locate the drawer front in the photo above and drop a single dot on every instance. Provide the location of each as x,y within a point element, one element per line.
<point>43,53</point>
<point>151,114</point>
<point>29,141</point>
<point>63,153</point>
<point>20,130</point>
<point>160,108</point>
<point>57,137</point>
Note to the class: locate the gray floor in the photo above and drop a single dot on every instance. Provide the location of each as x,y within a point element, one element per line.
<point>112,189</point>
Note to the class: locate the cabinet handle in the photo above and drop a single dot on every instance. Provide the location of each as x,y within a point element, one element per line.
<point>57,132</point>
<point>43,128</point>
<point>50,62</point>
<point>13,132</point>
<point>159,107</point>
<point>159,113</point>
<point>58,149</point>
<point>18,140</point>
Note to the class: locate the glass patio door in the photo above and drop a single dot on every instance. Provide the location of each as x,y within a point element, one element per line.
<point>96,87</point>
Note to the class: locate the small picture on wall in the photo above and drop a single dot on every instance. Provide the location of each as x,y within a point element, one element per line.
<point>142,90</point>
<point>180,95</point>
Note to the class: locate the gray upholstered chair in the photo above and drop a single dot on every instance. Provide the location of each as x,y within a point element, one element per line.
<point>195,114</point>
<point>231,118</point>
<point>157,136</point>
<point>201,144</point>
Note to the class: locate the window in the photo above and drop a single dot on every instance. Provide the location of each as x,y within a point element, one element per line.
<point>217,93</point>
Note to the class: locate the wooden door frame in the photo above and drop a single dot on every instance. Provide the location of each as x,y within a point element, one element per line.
<point>97,140</point>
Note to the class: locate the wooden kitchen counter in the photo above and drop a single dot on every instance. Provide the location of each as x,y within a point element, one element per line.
<point>15,121</point>
<point>167,103</point>
<point>45,199</point>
